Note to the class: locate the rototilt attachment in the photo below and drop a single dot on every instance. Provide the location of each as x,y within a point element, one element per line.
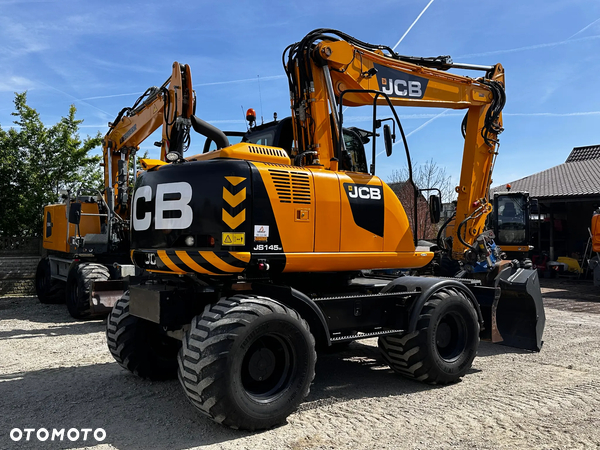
<point>513,311</point>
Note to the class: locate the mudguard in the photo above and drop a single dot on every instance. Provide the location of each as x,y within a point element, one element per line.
<point>428,286</point>
<point>511,312</point>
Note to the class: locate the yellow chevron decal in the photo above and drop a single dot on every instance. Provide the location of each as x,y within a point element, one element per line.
<point>242,256</point>
<point>234,200</point>
<point>219,263</point>
<point>167,261</point>
<point>235,180</point>
<point>186,259</point>
<point>234,222</point>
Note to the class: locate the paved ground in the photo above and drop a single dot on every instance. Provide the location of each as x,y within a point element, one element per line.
<point>571,295</point>
<point>57,373</point>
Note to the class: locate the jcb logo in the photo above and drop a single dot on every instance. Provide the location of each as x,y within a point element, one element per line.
<point>150,259</point>
<point>397,83</point>
<point>401,88</point>
<point>364,192</point>
<point>172,199</point>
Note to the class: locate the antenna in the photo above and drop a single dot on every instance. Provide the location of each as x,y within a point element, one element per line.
<point>244,116</point>
<point>260,97</point>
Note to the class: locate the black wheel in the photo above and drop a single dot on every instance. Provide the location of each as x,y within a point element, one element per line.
<point>444,345</point>
<point>47,289</point>
<point>140,346</point>
<point>79,283</point>
<point>247,362</point>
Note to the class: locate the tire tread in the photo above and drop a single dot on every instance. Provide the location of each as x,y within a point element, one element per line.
<point>205,348</point>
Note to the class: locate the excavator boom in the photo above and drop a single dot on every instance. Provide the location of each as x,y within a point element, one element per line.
<point>322,69</point>
<point>169,106</point>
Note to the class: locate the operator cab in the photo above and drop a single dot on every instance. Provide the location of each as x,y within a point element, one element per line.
<point>279,133</point>
<point>510,218</point>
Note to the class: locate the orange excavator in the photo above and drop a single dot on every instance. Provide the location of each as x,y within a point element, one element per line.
<point>87,235</point>
<point>252,253</point>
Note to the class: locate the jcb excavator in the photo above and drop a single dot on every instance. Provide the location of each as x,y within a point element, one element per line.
<point>253,252</point>
<point>87,236</point>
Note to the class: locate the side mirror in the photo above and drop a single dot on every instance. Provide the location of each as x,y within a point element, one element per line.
<point>435,208</point>
<point>75,213</point>
<point>534,207</point>
<point>387,139</point>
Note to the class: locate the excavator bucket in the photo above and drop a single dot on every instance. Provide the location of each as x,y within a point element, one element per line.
<point>513,311</point>
<point>520,316</point>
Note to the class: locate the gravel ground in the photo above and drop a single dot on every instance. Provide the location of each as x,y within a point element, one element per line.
<point>57,373</point>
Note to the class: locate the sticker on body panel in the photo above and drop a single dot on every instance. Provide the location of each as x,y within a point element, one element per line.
<point>231,239</point>
<point>261,233</point>
<point>367,205</point>
<point>396,83</point>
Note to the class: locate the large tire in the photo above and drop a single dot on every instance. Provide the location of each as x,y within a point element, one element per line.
<point>48,290</point>
<point>247,362</point>
<point>443,347</point>
<point>140,346</point>
<point>79,283</point>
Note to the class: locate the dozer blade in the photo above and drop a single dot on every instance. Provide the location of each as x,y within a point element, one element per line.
<point>520,316</point>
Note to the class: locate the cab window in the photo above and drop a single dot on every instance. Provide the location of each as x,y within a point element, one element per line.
<point>511,220</point>
<point>353,158</point>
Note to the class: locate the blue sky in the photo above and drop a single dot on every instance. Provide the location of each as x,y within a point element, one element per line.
<point>101,55</point>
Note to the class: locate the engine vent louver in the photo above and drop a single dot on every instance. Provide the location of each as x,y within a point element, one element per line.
<point>267,151</point>
<point>292,186</point>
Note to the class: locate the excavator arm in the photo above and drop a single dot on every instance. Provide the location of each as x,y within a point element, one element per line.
<point>171,106</point>
<point>328,65</point>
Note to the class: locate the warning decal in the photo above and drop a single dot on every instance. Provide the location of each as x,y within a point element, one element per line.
<point>233,239</point>
<point>261,233</point>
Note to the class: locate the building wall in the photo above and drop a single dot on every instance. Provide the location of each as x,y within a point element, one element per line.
<point>18,262</point>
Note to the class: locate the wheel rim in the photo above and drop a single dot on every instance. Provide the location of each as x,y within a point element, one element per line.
<point>267,367</point>
<point>451,336</point>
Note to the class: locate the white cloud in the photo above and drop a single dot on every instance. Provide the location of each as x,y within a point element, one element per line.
<point>15,84</point>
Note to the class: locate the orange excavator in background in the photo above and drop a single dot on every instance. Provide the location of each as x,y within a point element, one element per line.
<point>252,253</point>
<point>87,235</point>
<point>595,231</point>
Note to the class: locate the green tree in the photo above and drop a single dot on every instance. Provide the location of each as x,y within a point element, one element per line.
<point>37,162</point>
